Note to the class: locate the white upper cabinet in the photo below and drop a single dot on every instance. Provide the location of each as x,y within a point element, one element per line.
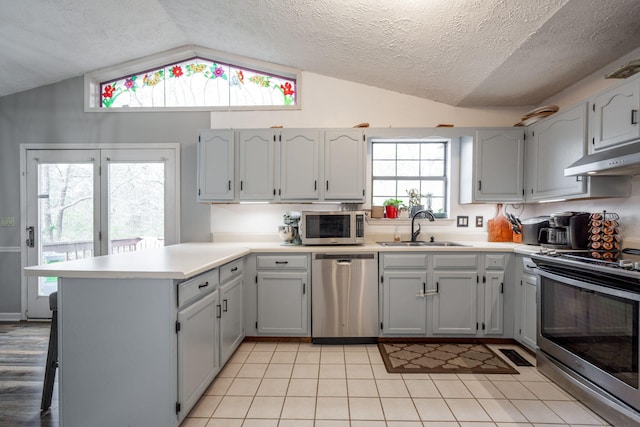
<point>257,164</point>
<point>215,165</point>
<point>491,166</point>
<point>615,116</point>
<point>299,151</point>
<point>554,144</point>
<point>344,161</point>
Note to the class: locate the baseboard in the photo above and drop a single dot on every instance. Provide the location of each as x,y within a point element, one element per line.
<point>10,317</point>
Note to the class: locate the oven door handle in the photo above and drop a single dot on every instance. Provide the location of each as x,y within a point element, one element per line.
<point>582,285</point>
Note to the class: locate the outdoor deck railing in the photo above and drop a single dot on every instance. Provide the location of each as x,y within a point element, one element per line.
<point>77,250</point>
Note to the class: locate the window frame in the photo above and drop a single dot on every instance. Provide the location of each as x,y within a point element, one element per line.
<point>446,178</point>
<point>92,80</point>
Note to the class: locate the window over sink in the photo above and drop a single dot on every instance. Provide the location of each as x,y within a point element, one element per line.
<point>400,165</point>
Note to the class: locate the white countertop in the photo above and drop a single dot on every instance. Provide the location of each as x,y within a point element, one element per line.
<point>170,262</point>
<point>190,259</point>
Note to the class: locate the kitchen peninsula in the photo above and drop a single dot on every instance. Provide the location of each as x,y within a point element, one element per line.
<point>119,315</point>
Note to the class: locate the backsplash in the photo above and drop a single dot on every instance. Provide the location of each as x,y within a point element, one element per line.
<point>627,208</point>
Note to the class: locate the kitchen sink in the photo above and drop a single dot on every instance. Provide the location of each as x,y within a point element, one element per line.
<point>420,243</point>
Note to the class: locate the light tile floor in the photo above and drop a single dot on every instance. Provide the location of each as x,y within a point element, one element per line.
<point>305,385</point>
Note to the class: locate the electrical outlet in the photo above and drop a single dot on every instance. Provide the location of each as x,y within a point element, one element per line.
<point>463,221</point>
<point>7,221</point>
<point>479,221</point>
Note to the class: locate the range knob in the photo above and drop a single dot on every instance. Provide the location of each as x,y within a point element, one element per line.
<point>625,263</point>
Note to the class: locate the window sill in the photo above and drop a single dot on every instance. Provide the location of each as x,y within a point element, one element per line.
<point>407,221</point>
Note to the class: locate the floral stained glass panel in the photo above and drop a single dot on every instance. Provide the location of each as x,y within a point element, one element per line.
<point>198,82</point>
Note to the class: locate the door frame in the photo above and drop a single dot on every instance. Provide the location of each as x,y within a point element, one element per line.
<point>175,218</point>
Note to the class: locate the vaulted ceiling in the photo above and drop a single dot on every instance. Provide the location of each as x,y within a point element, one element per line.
<point>459,52</point>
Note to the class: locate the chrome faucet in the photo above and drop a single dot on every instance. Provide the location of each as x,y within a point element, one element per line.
<point>425,212</point>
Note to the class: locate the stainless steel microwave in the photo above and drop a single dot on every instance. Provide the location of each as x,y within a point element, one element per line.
<point>332,228</point>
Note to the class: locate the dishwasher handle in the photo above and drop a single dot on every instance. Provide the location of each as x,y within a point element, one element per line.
<point>343,261</point>
<point>346,257</point>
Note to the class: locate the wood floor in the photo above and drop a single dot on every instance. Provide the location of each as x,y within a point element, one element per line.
<point>23,354</point>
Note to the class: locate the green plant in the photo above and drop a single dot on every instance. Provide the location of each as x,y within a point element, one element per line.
<point>394,202</point>
<point>415,197</point>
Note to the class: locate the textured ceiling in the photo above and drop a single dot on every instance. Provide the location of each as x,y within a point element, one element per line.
<point>459,52</point>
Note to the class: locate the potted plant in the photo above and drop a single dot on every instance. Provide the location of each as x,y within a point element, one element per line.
<point>391,207</point>
<point>415,203</point>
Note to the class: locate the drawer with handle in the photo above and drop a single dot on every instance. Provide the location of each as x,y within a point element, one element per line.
<point>197,287</point>
<point>231,270</point>
<point>279,261</point>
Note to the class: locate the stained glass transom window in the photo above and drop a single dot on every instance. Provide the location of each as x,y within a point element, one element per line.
<point>198,82</point>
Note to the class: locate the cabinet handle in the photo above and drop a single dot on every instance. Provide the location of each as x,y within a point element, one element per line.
<point>218,311</point>
<point>315,185</point>
<point>424,287</point>
<point>479,185</point>
<point>327,185</point>
<point>304,288</point>
<point>634,117</point>
<point>437,287</point>
<point>229,185</point>
<point>203,285</point>
<point>502,288</point>
<point>282,262</point>
<point>224,302</point>
<point>234,269</point>
<point>241,185</point>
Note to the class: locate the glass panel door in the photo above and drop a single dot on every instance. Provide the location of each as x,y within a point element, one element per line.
<point>138,193</point>
<point>136,206</point>
<point>61,216</point>
<point>84,203</point>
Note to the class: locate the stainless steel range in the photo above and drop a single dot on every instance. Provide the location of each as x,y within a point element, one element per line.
<point>588,330</point>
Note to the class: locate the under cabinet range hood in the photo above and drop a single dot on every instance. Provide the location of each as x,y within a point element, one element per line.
<point>623,160</point>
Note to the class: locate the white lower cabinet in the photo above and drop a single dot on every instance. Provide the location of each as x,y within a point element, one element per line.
<point>283,289</point>
<point>231,309</point>
<point>198,361</point>
<point>526,319</point>
<point>431,294</point>
<point>197,330</point>
<point>403,303</point>
<point>455,302</point>
<point>404,311</point>
<point>282,303</point>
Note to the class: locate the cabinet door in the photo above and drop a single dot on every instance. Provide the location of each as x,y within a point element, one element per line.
<point>231,321</point>
<point>557,142</point>
<point>493,303</point>
<point>299,165</point>
<point>283,303</point>
<point>529,314</point>
<point>344,157</point>
<point>455,302</point>
<point>197,350</point>
<point>257,157</point>
<point>616,115</point>
<point>215,165</point>
<point>499,165</point>
<point>404,307</point>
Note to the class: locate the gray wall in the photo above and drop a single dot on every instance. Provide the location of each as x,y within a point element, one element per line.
<point>55,114</point>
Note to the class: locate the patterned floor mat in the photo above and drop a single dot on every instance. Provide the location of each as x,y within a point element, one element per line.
<point>442,358</point>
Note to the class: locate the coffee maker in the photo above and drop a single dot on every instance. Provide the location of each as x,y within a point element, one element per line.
<point>567,230</point>
<point>290,232</point>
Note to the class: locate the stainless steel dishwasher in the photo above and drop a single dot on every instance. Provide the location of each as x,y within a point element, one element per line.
<point>344,298</point>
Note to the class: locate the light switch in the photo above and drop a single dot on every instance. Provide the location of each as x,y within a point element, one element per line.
<point>7,221</point>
